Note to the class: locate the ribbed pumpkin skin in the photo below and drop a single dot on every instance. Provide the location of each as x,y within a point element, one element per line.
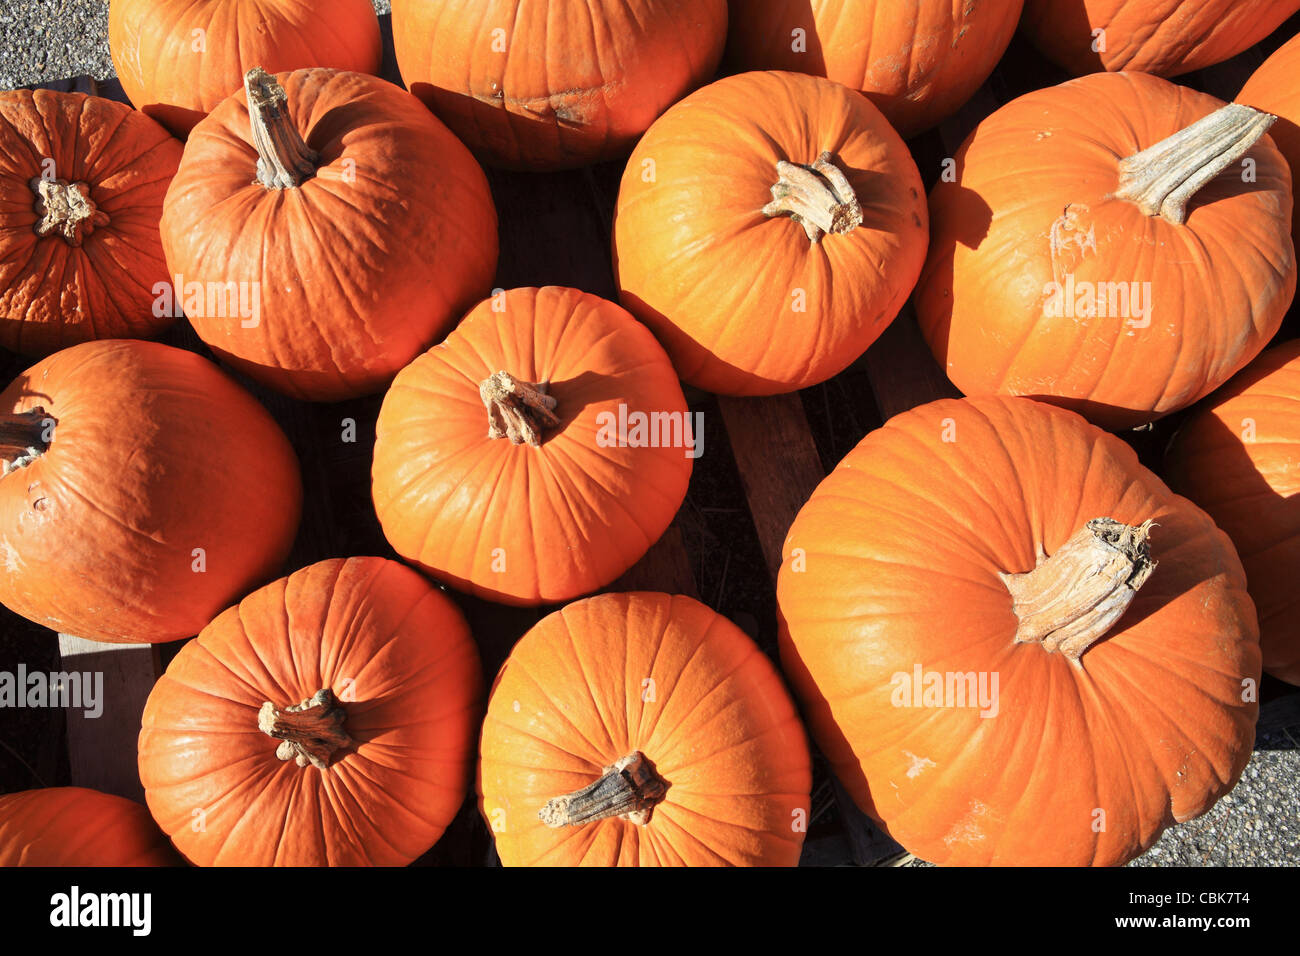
<point>153,44</point>
<point>392,648</point>
<point>1239,459</point>
<point>516,523</point>
<point>902,546</point>
<point>156,453</point>
<point>1220,283</point>
<point>917,60</point>
<point>361,267</point>
<point>718,281</point>
<point>53,294</point>
<point>1275,88</point>
<point>554,84</point>
<point>664,675</point>
<point>73,826</point>
<point>1164,37</point>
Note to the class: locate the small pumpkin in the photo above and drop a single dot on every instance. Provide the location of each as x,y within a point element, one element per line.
<point>178,59</point>
<point>142,492</point>
<point>642,730</point>
<point>1239,459</point>
<point>1275,88</point>
<point>74,826</point>
<point>353,224</point>
<point>552,84</point>
<point>917,60</point>
<point>82,181</point>
<point>1090,256</point>
<point>1167,38</point>
<point>1013,643</point>
<point>326,720</point>
<point>538,452</point>
<point>768,228</point>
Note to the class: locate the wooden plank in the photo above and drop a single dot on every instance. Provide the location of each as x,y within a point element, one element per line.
<point>902,371</point>
<point>665,567</point>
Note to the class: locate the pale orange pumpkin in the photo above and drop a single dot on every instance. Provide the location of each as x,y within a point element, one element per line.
<point>1275,88</point>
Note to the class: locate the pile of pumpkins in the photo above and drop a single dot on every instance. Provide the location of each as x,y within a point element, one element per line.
<point>1097,255</point>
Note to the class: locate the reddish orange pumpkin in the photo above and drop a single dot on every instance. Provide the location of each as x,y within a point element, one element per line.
<point>642,730</point>
<point>73,826</point>
<point>994,674</point>
<point>1275,88</point>
<point>327,720</point>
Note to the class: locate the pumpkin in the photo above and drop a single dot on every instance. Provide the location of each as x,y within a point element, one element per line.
<point>1013,643</point>
<point>642,730</point>
<point>1090,256</point>
<point>1164,37</point>
<point>178,59</point>
<point>82,181</point>
<point>326,720</point>
<point>552,84</point>
<point>1275,88</point>
<point>768,228</point>
<point>351,223</point>
<point>74,826</point>
<point>917,60</point>
<point>1239,459</point>
<point>142,492</point>
<point>538,452</point>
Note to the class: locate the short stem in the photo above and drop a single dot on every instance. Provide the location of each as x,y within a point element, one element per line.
<point>66,209</point>
<point>311,731</point>
<point>24,437</point>
<point>629,788</point>
<point>1162,179</point>
<point>1073,598</point>
<point>284,158</point>
<point>818,197</point>
<point>519,411</point>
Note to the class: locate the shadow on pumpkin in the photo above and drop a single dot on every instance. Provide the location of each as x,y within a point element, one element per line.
<point>775,48</point>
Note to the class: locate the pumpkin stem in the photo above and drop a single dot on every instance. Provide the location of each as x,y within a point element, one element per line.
<point>517,410</point>
<point>66,209</point>
<point>311,731</point>
<point>629,788</point>
<point>24,437</point>
<point>284,159</point>
<point>1163,178</point>
<point>818,197</point>
<point>1074,597</point>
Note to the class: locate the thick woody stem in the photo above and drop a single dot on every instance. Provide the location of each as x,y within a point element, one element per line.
<point>284,159</point>
<point>1073,598</point>
<point>65,209</point>
<point>517,410</point>
<point>1163,178</point>
<point>818,197</point>
<point>629,788</point>
<point>24,437</point>
<point>311,731</point>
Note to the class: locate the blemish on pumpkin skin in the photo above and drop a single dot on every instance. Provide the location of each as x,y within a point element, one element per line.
<point>967,830</point>
<point>918,765</point>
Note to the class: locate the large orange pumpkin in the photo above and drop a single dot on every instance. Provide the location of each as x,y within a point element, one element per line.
<point>178,59</point>
<point>1239,459</point>
<point>353,224</point>
<point>1091,257</point>
<point>552,84</point>
<point>538,452</point>
<point>82,181</point>
<point>1275,88</point>
<point>917,60</point>
<point>327,720</point>
<point>73,826</point>
<point>768,228</point>
<point>1004,659</point>
<point>642,730</point>
<point>142,492</point>
<point>1165,37</point>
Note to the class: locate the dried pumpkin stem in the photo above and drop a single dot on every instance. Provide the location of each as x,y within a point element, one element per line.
<point>65,209</point>
<point>284,158</point>
<point>517,410</point>
<point>24,437</point>
<point>629,788</point>
<point>1075,596</point>
<point>818,197</point>
<point>1163,178</point>
<point>311,731</point>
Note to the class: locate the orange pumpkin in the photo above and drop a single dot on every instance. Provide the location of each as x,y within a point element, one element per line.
<point>642,730</point>
<point>142,492</point>
<point>1091,257</point>
<point>327,720</point>
<point>540,84</point>
<point>768,228</point>
<point>538,452</point>
<point>1275,88</point>
<point>82,181</point>
<point>1004,659</point>
<point>917,60</point>
<point>351,223</point>
<point>73,826</point>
